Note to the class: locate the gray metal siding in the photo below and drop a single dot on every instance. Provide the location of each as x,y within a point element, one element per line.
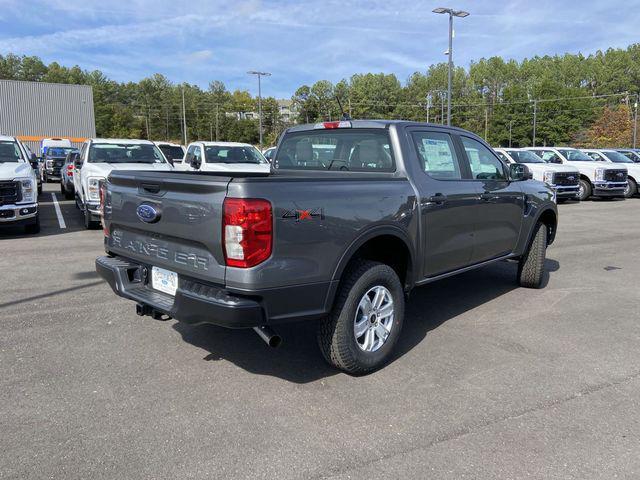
<point>46,110</point>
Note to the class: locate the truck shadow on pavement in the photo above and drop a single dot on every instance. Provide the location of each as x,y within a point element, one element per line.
<point>299,360</point>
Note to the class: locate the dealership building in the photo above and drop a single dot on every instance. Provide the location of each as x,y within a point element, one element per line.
<point>32,111</point>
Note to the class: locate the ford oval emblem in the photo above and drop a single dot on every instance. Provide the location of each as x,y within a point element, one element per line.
<point>148,213</point>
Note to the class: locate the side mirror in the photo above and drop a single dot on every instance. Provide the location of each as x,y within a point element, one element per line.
<point>519,172</point>
<point>555,160</point>
<point>77,163</point>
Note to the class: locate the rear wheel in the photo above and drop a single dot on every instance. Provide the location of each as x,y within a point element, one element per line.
<point>364,325</point>
<point>531,265</point>
<point>584,189</point>
<point>632,188</point>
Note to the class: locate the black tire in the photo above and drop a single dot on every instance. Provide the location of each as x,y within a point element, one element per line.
<point>68,194</point>
<point>336,336</point>
<point>632,188</point>
<point>63,191</point>
<point>88,223</point>
<point>531,265</point>
<point>34,227</point>
<point>40,189</point>
<point>585,189</point>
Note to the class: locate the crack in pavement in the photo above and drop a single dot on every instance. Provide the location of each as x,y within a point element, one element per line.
<point>470,429</point>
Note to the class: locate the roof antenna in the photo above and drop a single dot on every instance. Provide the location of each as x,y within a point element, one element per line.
<point>345,115</point>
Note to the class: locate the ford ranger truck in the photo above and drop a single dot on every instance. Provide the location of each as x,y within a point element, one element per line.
<point>98,157</point>
<point>596,179</point>
<point>564,179</point>
<point>613,156</point>
<point>18,187</point>
<point>339,239</point>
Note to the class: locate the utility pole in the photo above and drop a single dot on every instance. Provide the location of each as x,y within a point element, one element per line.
<point>147,122</point>
<point>535,119</point>
<point>486,123</point>
<point>259,75</point>
<point>349,99</point>
<point>635,121</point>
<point>510,125</point>
<point>184,118</point>
<point>217,114</point>
<point>428,106</point>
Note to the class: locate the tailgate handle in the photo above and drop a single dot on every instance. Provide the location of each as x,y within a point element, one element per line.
<point>151,187</point>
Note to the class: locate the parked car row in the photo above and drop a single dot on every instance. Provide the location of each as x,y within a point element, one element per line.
<point>580,174</point>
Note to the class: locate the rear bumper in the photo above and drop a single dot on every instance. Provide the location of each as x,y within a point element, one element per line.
<point>198,303</point>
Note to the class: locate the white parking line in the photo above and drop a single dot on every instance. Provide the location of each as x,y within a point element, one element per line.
<point>58,211</point>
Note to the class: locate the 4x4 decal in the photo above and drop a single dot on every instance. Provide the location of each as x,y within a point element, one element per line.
<point>309,214</point>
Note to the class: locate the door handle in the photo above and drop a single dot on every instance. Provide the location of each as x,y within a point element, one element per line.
<point>489,197</point>
<point>438,198</point>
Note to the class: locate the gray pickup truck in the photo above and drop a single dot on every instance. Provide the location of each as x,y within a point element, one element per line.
<point>354,215</point>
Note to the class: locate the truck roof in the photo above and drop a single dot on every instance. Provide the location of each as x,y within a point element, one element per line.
<point>7,138</point>
<point>374,124</point>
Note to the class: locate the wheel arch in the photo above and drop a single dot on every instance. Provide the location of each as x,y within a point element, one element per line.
<point>384,243</point>
<point>549,217</point>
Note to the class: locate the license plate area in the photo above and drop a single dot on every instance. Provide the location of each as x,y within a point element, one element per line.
<point>164,281</point>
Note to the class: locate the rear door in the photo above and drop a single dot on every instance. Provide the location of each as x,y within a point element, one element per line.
<point>448,202</point>
<point>500,209</point>
<point>182,233</point>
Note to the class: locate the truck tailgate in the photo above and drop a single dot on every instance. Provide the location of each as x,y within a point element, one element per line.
<point>181,231</point>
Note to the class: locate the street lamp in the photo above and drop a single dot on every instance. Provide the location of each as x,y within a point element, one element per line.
<point>452,13</point>
<point>260,75</point>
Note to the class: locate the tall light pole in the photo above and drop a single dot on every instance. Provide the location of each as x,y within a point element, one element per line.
<point>510,126</point>
<point>535,120</point>
<point>259,75</point>
<point>452,13</point>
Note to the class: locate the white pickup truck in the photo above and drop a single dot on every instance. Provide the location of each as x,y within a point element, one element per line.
<point>596,179</point>
<point>98,157</point>
<point>564,179</point>
<point>223,157</point>
<point>18,187</point>
<point>613,156</point>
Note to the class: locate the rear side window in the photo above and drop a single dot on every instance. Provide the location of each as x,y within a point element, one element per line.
<point>361,150</point>
<point>437,155</point>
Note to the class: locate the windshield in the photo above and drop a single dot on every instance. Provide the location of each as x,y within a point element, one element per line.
<point>59,151</point>
<point>224,154</point>
<point>616,157</point>
<point>172,152</point>
<point>524,156</point>
<point>124,153</point>
<point>633,156</point>
<point>576,156</point>
<point>363,150</point>
<point>9,152</point>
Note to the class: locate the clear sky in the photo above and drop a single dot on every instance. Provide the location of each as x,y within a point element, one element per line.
<point>301,41</point>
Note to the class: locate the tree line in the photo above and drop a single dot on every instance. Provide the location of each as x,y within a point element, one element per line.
<point>575,100</point>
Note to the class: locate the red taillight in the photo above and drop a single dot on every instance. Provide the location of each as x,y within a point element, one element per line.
<point>247,231</point>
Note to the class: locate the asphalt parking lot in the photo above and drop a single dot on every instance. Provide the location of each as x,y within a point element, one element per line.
<point>490,380</point>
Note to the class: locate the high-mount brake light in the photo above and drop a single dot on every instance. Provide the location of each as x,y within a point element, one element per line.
<point>247,231</point>
<point>332,125</point>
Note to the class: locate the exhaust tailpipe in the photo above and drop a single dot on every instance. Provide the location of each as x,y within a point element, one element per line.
<point>267,334</point>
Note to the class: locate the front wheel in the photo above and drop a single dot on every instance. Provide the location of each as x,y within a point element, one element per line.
<point>364,325</point>
<point>584,189</point>
<point>531,265</point>
<point>632,188</point>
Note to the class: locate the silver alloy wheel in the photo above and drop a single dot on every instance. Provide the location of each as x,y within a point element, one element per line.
<point>580,190</point>
<point>627,189</point>
<point>373,319</point>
